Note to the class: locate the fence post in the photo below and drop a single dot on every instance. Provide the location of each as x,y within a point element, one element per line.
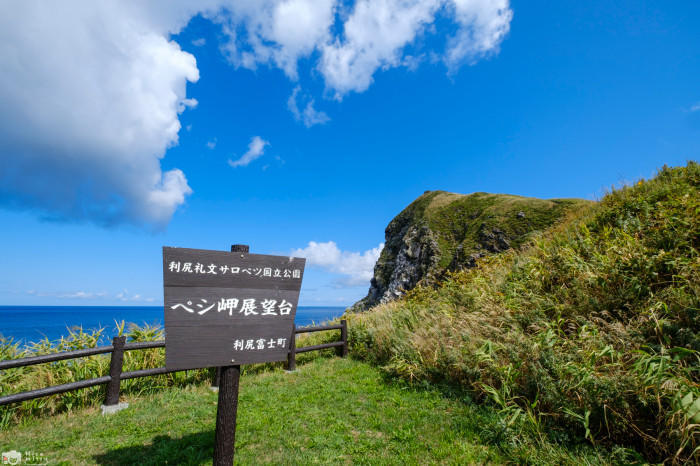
<point>344,338</point>
<point>292,355</point>
<point>112,404</point>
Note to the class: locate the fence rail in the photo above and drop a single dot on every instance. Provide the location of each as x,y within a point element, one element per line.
<point>119,346</point>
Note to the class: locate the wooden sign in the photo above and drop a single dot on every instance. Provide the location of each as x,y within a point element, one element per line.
<point>228,308</point>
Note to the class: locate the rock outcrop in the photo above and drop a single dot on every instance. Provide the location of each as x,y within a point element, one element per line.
<point>441,232</point>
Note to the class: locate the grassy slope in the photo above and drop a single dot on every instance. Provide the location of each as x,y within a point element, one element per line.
<point>329,411</point>
<point>457,220</point>
<point>591,332</point>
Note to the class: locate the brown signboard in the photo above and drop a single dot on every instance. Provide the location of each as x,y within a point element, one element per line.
<point>228,308</point>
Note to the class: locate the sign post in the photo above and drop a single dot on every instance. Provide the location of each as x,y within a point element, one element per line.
<point>226,309</point>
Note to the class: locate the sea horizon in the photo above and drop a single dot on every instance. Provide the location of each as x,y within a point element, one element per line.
<point>27,323</point>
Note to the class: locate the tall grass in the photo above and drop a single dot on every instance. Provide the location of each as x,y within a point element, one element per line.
<point>23,379</point>
<point>591,333</point>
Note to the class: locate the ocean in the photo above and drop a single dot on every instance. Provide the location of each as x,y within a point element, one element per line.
<point>33,323</point>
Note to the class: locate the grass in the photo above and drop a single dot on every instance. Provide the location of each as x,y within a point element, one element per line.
<point>330,411</point>
<point>23,379</point>
<point>590,332</point>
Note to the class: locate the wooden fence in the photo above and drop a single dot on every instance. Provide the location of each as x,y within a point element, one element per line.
<point>119,346</point>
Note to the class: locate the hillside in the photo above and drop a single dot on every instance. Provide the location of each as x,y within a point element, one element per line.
<point>441,232</point>
<point>590,332</point>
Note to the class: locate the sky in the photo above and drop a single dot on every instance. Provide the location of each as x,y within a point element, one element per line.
<point>302,127</point>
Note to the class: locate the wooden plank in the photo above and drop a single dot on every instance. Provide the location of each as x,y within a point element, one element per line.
<point>335,344</point>
<point>318,328</point>
<point>215,345</point>
<point>66,387</point>
<point>198,267</point>
<point>44,358</point>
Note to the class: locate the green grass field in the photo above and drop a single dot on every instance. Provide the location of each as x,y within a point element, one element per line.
<point>330,411</point>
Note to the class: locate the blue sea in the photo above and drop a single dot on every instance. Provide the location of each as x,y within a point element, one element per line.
<point>33,323</point>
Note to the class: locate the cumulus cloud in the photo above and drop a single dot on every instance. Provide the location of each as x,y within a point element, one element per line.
<point>91,95</point>
<point>374,36</point>
<point>275,32</point>
<point>356,40</point>
<point>309,116</point>
<point>199,42</point>
<point>483,25</point>
<point>211,144</point>
<point>358,267</point>
<point>92,91</point>
<point>256,148</point>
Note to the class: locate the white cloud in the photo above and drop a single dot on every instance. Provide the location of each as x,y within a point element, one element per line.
<point>482,26</point>
<point>91,95</point>
<point>378,32</point>
<point>374,36</point>
<point>275,32</point>
<point>82,295</point>
<point>125,296</point>
<point>354,41</point>
<point>695,107</point>
<point>309,116</point>
<point>358,267</point>
<point>199,42</point>
<point>91,92</point>
<point>69,295</point>
<point>211,144</point>
<point>256,148</point>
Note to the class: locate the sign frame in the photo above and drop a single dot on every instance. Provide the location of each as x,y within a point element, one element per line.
<point>224,308</point>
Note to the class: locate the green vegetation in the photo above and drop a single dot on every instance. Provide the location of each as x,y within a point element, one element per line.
<point>463,221</point>
<point>590,332</point>
<point>441,232</point>
<point>23,379</point>
<point>330,411</point>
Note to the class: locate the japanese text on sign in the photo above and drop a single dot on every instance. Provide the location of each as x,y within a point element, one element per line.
<point>214,269</point>
<point>265,307</point>
<point>259,344</point>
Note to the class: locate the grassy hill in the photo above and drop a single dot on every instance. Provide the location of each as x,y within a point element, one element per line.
<point>441,232</point>
<point>590,332</point>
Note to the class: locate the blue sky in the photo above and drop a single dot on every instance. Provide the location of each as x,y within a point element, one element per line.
<point>124,137</point>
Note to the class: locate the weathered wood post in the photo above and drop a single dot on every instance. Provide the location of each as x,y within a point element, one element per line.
<point>227,409</point>
<point>344,338</point>
<point>111,404</point>
<point>226,412</point>
<point>216,380</point>
<point>292,356</point>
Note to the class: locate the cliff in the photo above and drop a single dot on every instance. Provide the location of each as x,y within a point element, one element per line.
<point>441,232</point>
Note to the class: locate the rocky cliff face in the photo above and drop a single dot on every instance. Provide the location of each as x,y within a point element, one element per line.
<point>441,231</point>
